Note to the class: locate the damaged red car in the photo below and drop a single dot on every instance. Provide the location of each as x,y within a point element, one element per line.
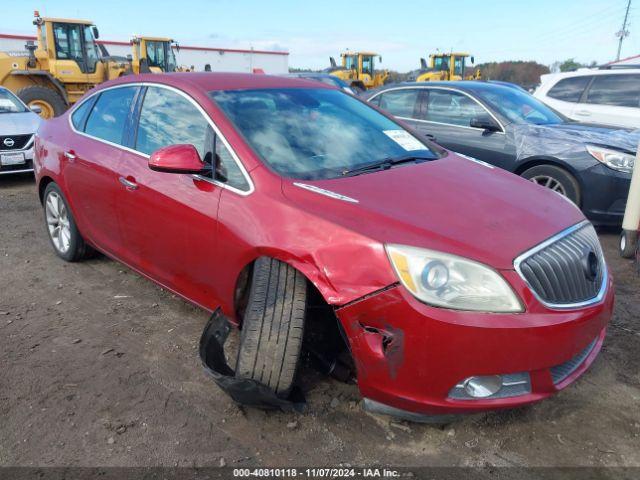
<point>458,287</point>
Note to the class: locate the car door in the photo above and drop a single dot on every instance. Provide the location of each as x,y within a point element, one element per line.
<point>447,115</point>
<point>612,100</point>
<point>91,161</point>
<point>404,104</point>
<point>169,221</point>
<point>565,96</point>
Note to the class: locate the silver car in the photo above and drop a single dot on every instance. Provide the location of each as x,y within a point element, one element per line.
<point>18,125</point>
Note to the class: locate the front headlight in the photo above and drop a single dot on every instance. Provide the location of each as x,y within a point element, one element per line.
<point>450,281</point>
<point>620,161</point>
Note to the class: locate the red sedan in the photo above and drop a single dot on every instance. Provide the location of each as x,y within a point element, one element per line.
<point>459,287</point>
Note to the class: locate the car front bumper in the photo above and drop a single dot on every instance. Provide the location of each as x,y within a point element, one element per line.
<point>409,356</point>
<point>25,167</point>
<point>604,194</point>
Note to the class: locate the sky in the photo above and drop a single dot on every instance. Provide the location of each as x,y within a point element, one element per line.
<point>401,31</point>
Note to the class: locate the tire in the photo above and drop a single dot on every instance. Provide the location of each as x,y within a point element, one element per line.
<point>627,245</point>
<point>75,248</point>
<point>559,177</point>
<point>272,327</point>
<point>50,101</point>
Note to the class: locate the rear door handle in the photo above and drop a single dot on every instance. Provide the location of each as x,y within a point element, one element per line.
<point>128,183</point>
<point>70,155</point>
<point>430,137</point>
<point>583,113</point>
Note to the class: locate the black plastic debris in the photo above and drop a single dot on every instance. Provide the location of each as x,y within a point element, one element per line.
<point>244,391</point>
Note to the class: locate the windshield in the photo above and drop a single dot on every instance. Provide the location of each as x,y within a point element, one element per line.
<point>9,103</point>
<point>315,133</point>
<point>520,107</point>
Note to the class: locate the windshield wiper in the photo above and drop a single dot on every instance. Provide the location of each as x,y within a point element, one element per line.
<point>386,163</point>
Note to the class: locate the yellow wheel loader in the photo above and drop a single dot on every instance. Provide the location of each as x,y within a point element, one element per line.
<point>358,70</point>
<point>445,67</point>
<point>154,55</point>
<point>65,62</point>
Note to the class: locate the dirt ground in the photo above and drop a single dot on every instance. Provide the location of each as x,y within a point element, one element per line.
<point>99,366</point>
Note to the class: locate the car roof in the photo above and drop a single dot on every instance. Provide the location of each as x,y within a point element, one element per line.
<point>470,86</point>
<point>209,81</point>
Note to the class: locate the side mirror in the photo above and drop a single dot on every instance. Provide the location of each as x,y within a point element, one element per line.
<point>485,123</point>
<point>178,159</point>
<point>35,109</point>
<point>96,33</point>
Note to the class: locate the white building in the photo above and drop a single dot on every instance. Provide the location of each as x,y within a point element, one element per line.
<point>220,59</point>
<point>635,60</point>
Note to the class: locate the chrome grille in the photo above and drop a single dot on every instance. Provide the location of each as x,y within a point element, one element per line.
<point>562,371</point>
<point>566,271</point>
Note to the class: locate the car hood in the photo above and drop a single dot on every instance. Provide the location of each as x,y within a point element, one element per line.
<point>567,137</point>
<point>19,123</point>
<point>452,205</point>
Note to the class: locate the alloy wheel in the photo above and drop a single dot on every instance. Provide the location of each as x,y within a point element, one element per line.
<point>550,183</point>
<point>58,222</point>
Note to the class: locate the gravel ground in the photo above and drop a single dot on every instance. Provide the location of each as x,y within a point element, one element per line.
<point>99,367</point>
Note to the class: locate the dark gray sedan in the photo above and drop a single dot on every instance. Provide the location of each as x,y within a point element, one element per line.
<point>506,127</point>
<point>18,124</point>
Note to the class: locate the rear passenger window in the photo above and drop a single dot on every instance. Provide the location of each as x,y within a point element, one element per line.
<point>79,114</point>
<point>569,89</point>
<point>108,118</point>
<point>401,103</point>
<point>621,90</point>
<point>168,118</point>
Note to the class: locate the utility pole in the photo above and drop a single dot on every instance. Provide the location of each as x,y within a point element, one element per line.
<point>623,32</point>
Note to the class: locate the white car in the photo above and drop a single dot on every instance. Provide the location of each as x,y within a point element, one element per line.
<point>18,125</point>
<point>604,96</point>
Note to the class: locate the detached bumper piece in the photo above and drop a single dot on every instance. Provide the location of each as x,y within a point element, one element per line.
<point>243,391</point>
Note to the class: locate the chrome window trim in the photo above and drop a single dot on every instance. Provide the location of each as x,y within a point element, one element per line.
<point>216,130</point>
<point>427,87</point>
<point>562,306</point>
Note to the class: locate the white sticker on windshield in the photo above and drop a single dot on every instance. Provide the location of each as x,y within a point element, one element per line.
<point>405,140</point>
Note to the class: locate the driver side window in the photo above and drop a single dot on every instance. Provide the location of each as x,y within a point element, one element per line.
<point>168,118</point>
<point>452,108</point>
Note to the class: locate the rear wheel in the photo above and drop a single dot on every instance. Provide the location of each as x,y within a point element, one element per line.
<point>556,179</point>
<point>61,226</point>
<point>50,102</point>
<point>272,326</point>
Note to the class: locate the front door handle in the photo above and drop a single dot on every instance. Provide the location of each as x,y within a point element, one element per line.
<point>70,155</point>
<point>128,183</point>
<point>583,113</point>
<point>430,137</point>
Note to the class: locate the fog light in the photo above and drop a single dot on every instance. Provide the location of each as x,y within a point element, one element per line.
<point>481,387</point>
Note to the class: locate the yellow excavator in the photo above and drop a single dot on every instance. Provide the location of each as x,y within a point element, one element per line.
<point>65,62</point>
<point>153,55</point>
<point>445,67</point>
<point>358,70</point>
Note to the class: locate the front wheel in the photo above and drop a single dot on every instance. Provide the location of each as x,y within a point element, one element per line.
<point>61,227</point>
<point>272,327</point>
<point>556,179</point>
<point>50,102</point>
